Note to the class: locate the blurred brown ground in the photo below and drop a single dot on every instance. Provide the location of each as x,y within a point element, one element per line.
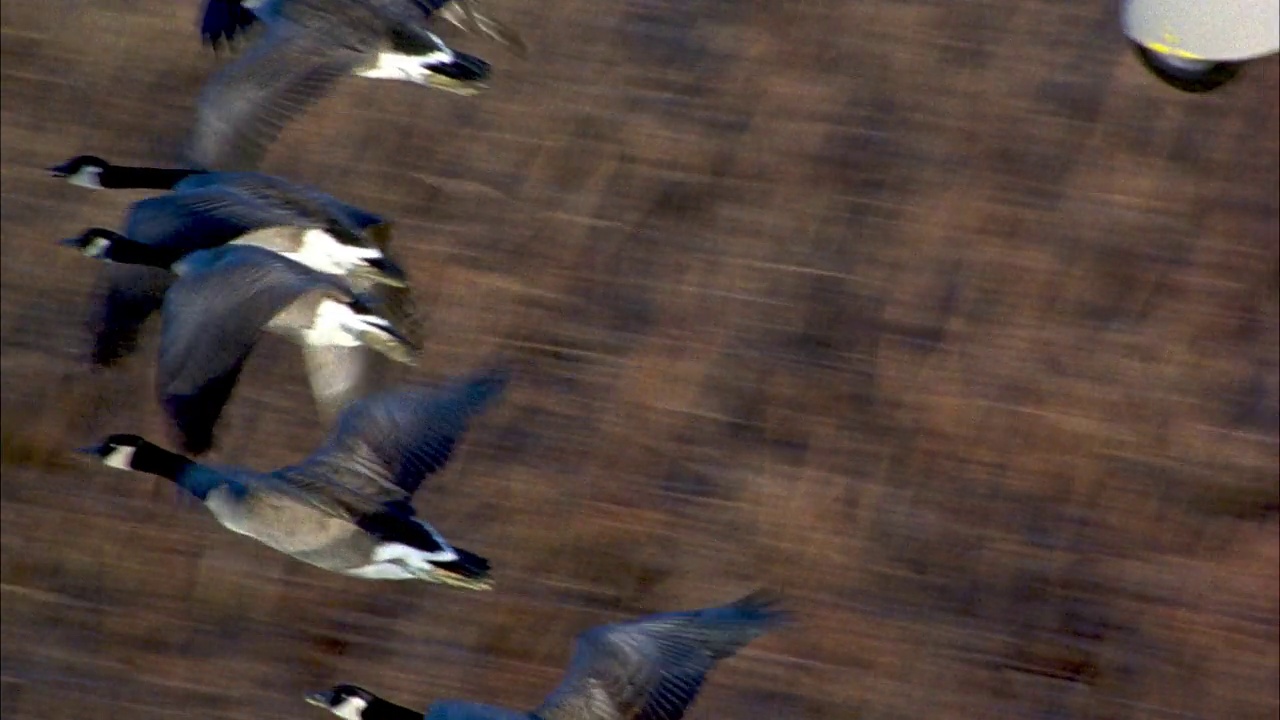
<point>945,318</point>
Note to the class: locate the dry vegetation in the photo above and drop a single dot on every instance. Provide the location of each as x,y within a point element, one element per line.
<point>943,317</point>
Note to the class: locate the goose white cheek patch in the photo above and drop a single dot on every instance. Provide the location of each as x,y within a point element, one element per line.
<point>351,708</point>
<point>97,247</point>
<point>87,178</point>
<point>121,457</point>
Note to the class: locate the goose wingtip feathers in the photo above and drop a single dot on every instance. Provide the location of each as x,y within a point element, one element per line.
<point>764,605</point>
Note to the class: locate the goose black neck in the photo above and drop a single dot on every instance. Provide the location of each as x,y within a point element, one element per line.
<point>122,177</point>
<point>380,709</point>
<point>131,252</point>
<point>156,460</point>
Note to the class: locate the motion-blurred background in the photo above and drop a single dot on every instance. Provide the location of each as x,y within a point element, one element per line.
<point>945,318</point>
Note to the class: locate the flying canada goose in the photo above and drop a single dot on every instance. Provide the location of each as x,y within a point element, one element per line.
<point>305,47</point>
<point>219,206</point>
<point>651,667</point>
<point>209,209</point>
<point>311,247</point>
<point>215,312</point>
<point>223,20</point>
<point>348,507</point>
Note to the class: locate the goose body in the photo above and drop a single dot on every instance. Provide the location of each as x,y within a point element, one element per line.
<point>314,248</point>
<point>346,508</point>
<point>204,210</point>
<point>651,667</point>
<point>304,48</point>
<point>215,313</point>
<point>233,203</point>
<point>222,301</point>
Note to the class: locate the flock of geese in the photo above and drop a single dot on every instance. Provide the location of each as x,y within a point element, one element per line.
<point>228,253</point>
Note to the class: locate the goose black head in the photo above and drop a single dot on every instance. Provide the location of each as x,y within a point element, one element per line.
<point>103,244</point>
<point>96,242</point>
<point>117,450</point>
<point>346,701</point>
<point>83,170</point>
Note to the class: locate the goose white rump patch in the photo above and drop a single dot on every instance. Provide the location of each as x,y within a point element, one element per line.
<point>397,561</point>
<point>322,252</point>
<point>332,325</point>
<point>414,68</point>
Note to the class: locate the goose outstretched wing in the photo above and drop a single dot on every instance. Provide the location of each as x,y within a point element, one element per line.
<point>246,104</point>
<point>468,15</point>
<point>652,668</point>
<point>463,710</point>
<point>201,219</point>
<point>130,295</point>
<point>214,214</point>
<point>211,319</point>
<point>275,200</point>
<point>386,444</point>
<point>361,25</point>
